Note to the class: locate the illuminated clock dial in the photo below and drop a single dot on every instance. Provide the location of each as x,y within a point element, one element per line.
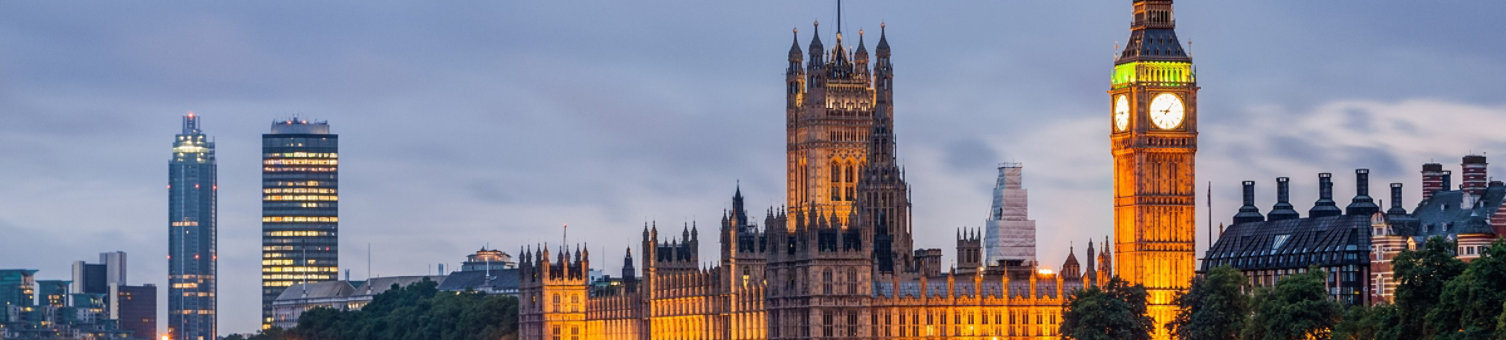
<point>1121,113</point>
<point>1166,111</point>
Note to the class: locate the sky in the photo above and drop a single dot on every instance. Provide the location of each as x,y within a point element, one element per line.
<point>466,124</point>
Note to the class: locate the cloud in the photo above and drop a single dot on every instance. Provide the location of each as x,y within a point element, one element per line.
<point>476,123</point>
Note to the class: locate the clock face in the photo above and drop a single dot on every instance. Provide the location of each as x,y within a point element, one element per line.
<point>1121,113</point>
<point>1166,111</point>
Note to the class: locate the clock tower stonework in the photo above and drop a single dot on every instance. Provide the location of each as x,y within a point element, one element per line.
<point>1153,136</point>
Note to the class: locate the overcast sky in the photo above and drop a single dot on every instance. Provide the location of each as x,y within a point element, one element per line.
<point>468,123</point>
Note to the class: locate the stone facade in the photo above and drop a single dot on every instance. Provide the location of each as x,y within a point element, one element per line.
<point>838,262</point>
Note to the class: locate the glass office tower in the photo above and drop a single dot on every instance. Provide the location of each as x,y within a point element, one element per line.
<point>300,208</point>
<point>191,238</point>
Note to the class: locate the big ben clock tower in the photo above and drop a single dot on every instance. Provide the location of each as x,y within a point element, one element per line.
<point>1153,124</point>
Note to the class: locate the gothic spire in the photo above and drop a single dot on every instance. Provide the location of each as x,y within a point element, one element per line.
<point>795,55</point>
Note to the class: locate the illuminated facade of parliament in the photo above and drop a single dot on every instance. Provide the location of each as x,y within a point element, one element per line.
<point>838,261</point>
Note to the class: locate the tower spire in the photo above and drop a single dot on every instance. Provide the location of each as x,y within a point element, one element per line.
<point>839,18</point>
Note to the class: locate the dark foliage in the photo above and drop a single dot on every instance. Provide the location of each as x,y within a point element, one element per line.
<point>1116,311</point>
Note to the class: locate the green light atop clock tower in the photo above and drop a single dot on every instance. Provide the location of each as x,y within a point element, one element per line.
<point>1153,120</point>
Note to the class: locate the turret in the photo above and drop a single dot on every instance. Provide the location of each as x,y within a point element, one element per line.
<point>883,69</point>
<point>1070,269</point>
<point>794,75</point>
<point>1283,209</point>
<point>1325,205</point>
<point>817,51</point>
<point>860,57</point>
<point>1362,204</point>
<point>1248,212</point>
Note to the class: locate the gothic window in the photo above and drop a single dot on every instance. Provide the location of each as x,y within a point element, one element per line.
<point>852,323</point>
<point>826,281</point>
<point>826,328</point>
<point>852,281</point>
<point>556,306</point>
<point>574,303</point>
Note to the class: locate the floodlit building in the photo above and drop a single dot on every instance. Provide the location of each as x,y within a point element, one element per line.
<point>837,262</point>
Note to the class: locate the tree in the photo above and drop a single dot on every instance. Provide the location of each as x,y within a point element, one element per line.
<point>1470,304</point>
<point>1421,275</point>
<point>1216,306</point>
<point>1366,322</point>
<point>417,311</point>
<point>1297,308</point>
<point>1116,311</point>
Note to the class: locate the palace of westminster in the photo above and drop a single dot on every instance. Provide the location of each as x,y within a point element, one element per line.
<point>838,260</point>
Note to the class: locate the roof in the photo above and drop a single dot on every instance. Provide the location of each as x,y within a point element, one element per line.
<point>317,290</point>
<point>1159,44</point>
<point>477,280</point>
<point>1292,243</point>
<point>1451,213</point>
<point>377,285</point>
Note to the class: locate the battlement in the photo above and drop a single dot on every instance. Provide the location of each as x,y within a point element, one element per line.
<point>537,268</point>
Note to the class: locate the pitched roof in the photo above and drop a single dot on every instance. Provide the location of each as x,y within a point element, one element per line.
<point>1293,243</point>
<point>1449,213</point>
<point>477,280</point>
<point>377,285</point>
<point>317,290</point>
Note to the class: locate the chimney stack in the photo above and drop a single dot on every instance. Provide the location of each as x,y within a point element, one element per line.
<point>1396,209</point>
<point>1432,180</point>
<point>1474,177</point>
<point>1362,204</point>
<point>1283,209</point>
<point>1248,212</point>
<point>1325,205</point>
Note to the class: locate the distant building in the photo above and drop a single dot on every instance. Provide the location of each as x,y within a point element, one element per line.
<point>302,297</point>
<point>47,309</point>
<point>487,271</point>
<point>1009,233</point>
<point>135,309</point>
<point>90,278</point>
<point>193,194</point>
<point>17,295</point>
<point>1356,245</point>
<point>1335,240</point>
<point>1470,216</point>
<point>488,259</point>
<point>300,208</point>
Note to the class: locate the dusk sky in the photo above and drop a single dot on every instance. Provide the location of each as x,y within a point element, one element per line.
<point>469,123</point>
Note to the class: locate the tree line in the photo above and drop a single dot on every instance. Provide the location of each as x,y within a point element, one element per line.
<point>1437,296</point>
<point>418,311</point>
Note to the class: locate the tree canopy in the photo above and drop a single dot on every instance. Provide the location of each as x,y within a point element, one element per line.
<point>1116,311</point>
<point>1297,308</point>
<point>417,311</point>
<point>1214,308</point>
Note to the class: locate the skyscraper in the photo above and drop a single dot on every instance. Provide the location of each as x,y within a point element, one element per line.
<point>192,236</point>
<point>299,209</point>
<point>1153,139</point>
<point>1010,233</point>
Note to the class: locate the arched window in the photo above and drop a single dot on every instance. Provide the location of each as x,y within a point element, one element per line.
<point>852,281</point>
<point>826,281</point>
<point>556,303</point>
